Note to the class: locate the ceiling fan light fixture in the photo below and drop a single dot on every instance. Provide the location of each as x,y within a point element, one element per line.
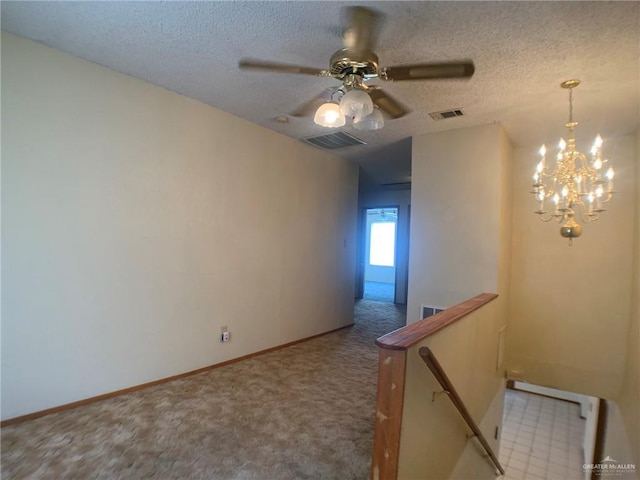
<point>356,63</point>
<point>356,103</point>
<point>329,115</point>
<point>373,121</point>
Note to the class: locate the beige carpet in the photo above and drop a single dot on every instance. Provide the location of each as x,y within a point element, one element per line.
<point>304,412</point>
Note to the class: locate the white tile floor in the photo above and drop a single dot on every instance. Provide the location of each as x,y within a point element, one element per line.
<point>541,438</point>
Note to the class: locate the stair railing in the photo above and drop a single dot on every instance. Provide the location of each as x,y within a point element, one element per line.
<point>448,388</point>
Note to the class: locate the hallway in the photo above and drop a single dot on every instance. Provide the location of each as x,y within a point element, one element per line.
<point>379,292</point>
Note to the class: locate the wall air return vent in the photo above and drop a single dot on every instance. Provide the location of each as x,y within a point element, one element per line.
<point>428,311</point>
<point>334,140</point>
<point>456,112</point>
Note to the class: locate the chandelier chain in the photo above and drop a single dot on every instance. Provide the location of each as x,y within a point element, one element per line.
<point>571,105</point>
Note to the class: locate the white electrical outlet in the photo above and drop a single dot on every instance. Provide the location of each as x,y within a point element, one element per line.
<point>225,336</point>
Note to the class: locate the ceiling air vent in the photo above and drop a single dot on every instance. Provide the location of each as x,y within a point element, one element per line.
<point>334,140</point>
<point>457,112</point>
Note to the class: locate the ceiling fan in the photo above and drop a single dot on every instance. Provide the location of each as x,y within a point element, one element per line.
<point>354,65</point>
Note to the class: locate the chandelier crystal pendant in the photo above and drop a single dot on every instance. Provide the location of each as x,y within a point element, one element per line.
<point>574,187</point>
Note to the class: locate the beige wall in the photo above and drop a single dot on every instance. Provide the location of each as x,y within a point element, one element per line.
<point>136,222</point>
<point>459,218</point>
<point>624,436</point>
<point>618,439</point>
<point>460,247</point>
<point>570,306</point>
<point>434,443</point>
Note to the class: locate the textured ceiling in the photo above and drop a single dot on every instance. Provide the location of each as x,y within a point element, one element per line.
<point>522,51</point>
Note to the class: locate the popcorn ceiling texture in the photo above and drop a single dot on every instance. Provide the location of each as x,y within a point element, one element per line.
<point>522,51</point>
<point>304,412</point>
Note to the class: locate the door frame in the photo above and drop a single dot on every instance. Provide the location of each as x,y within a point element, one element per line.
<point>362,236</point>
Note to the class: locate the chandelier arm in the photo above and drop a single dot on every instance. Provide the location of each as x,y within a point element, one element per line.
<point>549,193</point>
<point>545,219</point>
<point>583,212</point>
<point>609,197</point>
<point>554,179</point>
<point>584,164</point>
<point>584,173</point>
<point>545,171</point>
<point>590,218</point>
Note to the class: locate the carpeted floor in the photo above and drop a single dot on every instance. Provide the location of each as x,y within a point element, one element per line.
<point>380,292</point>
<point>304,412</point>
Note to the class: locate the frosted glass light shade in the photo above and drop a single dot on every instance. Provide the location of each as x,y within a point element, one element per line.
<point>329,115</point>
<point>356,103</point>
<point>373,121</point>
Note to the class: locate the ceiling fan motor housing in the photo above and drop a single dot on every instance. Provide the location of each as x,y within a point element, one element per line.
<point>349,62</point>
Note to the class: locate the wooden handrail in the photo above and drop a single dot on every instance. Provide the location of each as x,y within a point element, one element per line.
<point>392,371</point>
<point>449,389</point>
<point>414,333</point>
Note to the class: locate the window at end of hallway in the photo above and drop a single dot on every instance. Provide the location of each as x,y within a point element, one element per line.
<point>383,238</point>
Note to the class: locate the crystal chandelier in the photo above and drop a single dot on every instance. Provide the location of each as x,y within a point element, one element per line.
<point>573,187</point>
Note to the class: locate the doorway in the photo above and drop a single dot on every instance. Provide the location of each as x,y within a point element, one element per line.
<point>380,254</point>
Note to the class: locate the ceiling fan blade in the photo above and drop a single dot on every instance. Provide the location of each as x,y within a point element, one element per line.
<point>361,28</point>
<point>387,103</point>
<point>428,71</point>
<point>251,64</point>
